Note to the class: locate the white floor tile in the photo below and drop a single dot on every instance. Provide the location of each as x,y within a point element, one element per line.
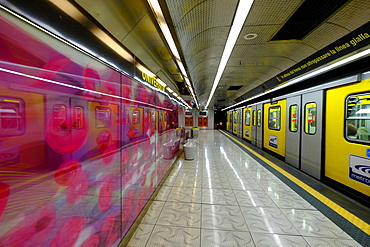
<point>225,198</point>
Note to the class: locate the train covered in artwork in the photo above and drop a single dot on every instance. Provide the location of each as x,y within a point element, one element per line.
<point>324,131</point>
<point>81,143</point>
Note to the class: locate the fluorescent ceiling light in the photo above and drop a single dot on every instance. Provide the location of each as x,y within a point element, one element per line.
<point>311,74</point>
<point>73,12</point>
<point>74,87</point>
<point>161,82</point>
<point>242,11</point>
<point>163,25</point>
<point>168,36</point>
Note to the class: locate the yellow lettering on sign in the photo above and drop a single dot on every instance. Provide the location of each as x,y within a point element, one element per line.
<point>152,81</point>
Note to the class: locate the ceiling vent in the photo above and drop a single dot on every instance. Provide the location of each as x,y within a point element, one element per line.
<point>307,17</point>
<point>231,88</point>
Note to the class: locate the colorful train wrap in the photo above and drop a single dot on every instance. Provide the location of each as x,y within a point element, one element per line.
<point>81,144</point>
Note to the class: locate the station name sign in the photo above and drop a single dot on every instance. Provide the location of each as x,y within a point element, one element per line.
<point>152,80</point>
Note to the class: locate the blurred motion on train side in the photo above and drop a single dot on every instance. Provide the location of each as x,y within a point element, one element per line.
<point>81,143</point>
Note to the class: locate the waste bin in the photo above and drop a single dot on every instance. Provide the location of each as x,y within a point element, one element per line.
<point>194,132</point>
<point>179,132</point>
<point>189,149</point>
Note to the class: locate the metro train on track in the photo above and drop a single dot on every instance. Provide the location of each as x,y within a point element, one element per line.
<point>81,143</point>
<point>323,131</point>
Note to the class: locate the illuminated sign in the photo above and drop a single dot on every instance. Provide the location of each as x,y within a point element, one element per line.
<point>152,80</point>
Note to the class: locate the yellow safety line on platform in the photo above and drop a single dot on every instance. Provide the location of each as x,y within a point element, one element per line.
<point>341,211</point>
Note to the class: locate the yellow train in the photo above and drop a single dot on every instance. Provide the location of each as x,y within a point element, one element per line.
<point>323,131</point>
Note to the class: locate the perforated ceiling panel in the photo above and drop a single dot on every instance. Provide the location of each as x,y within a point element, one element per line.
<point>202,28</point>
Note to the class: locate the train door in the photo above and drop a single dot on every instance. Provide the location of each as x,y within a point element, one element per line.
<point>347,138</point>
<point>293,131</point>
<point>240,123</point>
<point>104,136</point>
<point>247,123</point>
<point>79,118</point>
<point>67,128</point>
<point>228,122</point>
<point>154,121</point>
<point>312,112</point>
<point>137,119</point>
<point>235,122</point>
<point>231,121</point>
<point>274,129</point>
<point>254,125</point>
<point>259,129</point>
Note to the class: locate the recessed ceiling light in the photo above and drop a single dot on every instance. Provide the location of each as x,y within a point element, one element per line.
<point>250,36</point>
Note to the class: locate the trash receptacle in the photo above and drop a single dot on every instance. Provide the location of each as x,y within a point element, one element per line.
<point>179,132</point>
<point>189,149</point>
<point>194,132</point>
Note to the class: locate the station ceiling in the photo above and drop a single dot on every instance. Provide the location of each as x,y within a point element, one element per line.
<point>276,35</point>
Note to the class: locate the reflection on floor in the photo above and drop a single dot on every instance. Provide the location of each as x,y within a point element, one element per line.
<point>225,198</point>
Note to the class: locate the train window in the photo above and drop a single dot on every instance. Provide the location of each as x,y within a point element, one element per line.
<point>12,117</point>
<point>358,118</point>
<point>310,118</point>
<point>135,116</point>
<point>247,117</point>
<point>293,118</point>
<point>235,118</point>
<point>103,117</point>
<point>274,118</point>
<point>254,118</point>
<point>259,118</point>
<point>59,117</point>
<point>79,117</point>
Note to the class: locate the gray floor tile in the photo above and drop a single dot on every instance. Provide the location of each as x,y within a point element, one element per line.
<point>185,194</point>
<point>215,238</point>
<point>225,198</point>
<point>276,240</point>
<point>223,217</point>
<point>180,214</point>
<point>268,220</point>
<point>141,235</point>
<point>174,236</point>
<point>314,224</point>
<point>318,242</point>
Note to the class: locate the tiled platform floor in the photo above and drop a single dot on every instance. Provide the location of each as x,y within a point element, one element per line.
<point>225,198</point>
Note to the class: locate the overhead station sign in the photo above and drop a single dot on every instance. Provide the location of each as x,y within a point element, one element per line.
<point>353,41</point>
<point>335,51</point>
<point>349,43</point>
<point>152,80</point>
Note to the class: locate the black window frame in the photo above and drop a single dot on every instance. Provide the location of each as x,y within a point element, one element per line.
<point>349,120</point>
<point>306,120</point>
<point>269,111</point>
<point>290,118</point>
